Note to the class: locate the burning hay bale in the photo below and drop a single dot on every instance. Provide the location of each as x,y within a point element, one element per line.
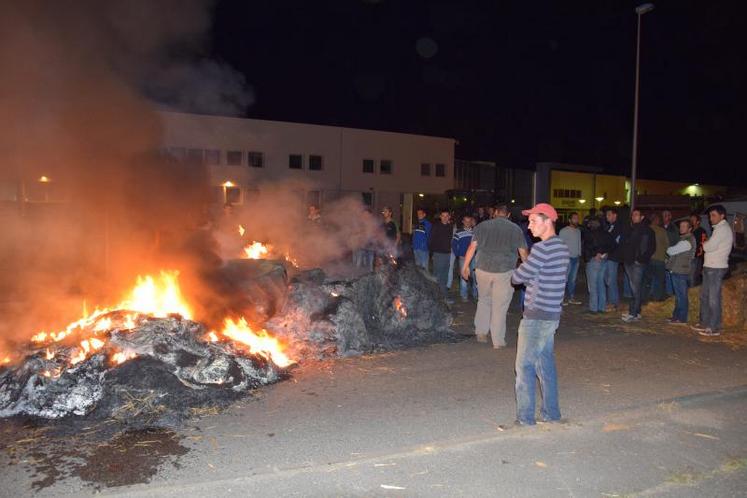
<point>392,307</point>
<point>162,367</point>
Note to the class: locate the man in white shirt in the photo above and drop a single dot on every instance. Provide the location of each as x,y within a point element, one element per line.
<point>715,265</point>
<point>571,235</point>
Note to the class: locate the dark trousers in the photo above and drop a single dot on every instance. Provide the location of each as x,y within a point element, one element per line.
<point>634,271</point>
<point>655,276</point>
<point>441,269</point>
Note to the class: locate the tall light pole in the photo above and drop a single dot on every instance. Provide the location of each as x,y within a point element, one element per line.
<point>640,10</point>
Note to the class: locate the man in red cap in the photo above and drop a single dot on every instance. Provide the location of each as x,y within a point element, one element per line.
<point>544,273</point>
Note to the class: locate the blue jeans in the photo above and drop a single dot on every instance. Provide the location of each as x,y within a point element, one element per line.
<point>421,258</point>
<point>595,272</point>
<point>679,285</point>
<point>441,269</point>
<point>570,284</point>
<point>710,297</point>
<point>627,293</point>
<point>610,280</point>
<point>363,258</point>
<point>668,284</point>
<point>535,358</point>
<point>634,271</point>
<point>450,278</point>
<point>464,286</point>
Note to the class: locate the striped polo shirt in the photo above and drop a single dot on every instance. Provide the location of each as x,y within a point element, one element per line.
<point>544,273</point>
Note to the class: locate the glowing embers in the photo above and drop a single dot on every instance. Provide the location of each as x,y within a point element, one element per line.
<point>259,342</point>
<point>400,307</point>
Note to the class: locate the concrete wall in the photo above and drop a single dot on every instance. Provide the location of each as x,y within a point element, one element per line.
<point>342,149</point>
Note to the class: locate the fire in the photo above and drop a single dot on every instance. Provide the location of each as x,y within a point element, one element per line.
<point>259,343</point>
<point>211,337</point>
<point>120,357</point>
<point>242,230</point>
<point>256,250</point>
<point>399,306</point>
<point>158,298</point>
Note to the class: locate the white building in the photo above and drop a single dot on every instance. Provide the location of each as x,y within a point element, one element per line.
<point>383,168</point>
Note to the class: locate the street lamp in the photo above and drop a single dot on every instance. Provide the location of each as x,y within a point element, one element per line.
<point>640,10</point>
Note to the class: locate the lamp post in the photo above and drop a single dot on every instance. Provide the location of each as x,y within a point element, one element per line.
<point>640,10</point>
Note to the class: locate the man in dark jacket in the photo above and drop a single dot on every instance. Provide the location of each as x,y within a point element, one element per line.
<point>596,249</point>
<point>637,250</point>
<point>612,262</point>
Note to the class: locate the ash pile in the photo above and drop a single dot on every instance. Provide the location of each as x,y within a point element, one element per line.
<point>395,306</point>
<point>154,373</point>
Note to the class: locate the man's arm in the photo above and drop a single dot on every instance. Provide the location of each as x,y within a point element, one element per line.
<point>679,247</point>
<point>528,269</point>
<point>468,258</point>
<point>523,254</point>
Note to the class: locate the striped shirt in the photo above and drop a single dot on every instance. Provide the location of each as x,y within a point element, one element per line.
<point>544,273</point>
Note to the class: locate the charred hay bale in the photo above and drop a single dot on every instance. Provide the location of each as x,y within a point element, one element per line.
<point>254,288</point>
<point>392,307</point>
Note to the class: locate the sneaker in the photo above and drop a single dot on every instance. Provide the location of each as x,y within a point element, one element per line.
<point>708,332</point>
<point>627,317</point>
<point>574,301</point>
<point>674,321</point>
<point>565,303</point>
<point>482,337</point>
<point>698,327</point>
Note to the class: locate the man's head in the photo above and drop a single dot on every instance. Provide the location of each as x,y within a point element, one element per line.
<point>480,210</point>
<point>444,216</point>
<point>501,211</point>
<point>542,219</point>
<point>387,212</point>
<point>468,221</point>
<point>313,211</point>
<point>636,216</point>
<point>685,226</point>
<point>611,215</point>
<point>694,220</point>
<point>656,219</point>
<point>666,215</point>
<point>491,212</point>
<point>716,214</point>
<point>573,219</point>
<point>421,214</point>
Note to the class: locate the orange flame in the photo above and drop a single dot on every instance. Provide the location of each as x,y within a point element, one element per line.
<point>120,357</point>
<point>256,250</point>
<point>158,298</point>
<point>242,230</point>
<point>399,306</point>
<point>259,343</point>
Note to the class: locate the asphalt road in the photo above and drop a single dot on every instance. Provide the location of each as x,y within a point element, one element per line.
<point>648,414</point>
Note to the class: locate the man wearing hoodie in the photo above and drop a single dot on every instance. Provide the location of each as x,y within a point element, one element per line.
<point>637,250</point>
<point>459,245</point>
<point>421,238</point>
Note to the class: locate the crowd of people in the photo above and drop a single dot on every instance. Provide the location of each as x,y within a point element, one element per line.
<point>650,255</point>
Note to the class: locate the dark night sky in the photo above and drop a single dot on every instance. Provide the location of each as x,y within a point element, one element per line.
<point>515,82</point>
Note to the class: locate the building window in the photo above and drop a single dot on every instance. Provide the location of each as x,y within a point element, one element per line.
<point>566,194</point>
<point>232,195</point>
<point>425,169</point>
<point>367,198</point>
<point>178,153</point>
<point>295,161</point>
<point>385,167</point>
<point>212,156</point>
<point>256,159</point>
<point>234,157</point>
<point>440,170</point>
<point>368,165</point>
<point>195,155</point>
<point>315,163</point>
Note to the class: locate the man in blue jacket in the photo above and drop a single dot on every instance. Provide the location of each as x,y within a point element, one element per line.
<point>421,237</point>
<point>459,245</point>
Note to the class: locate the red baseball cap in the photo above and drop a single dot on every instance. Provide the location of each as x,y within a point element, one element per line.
<point>542,208</point>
